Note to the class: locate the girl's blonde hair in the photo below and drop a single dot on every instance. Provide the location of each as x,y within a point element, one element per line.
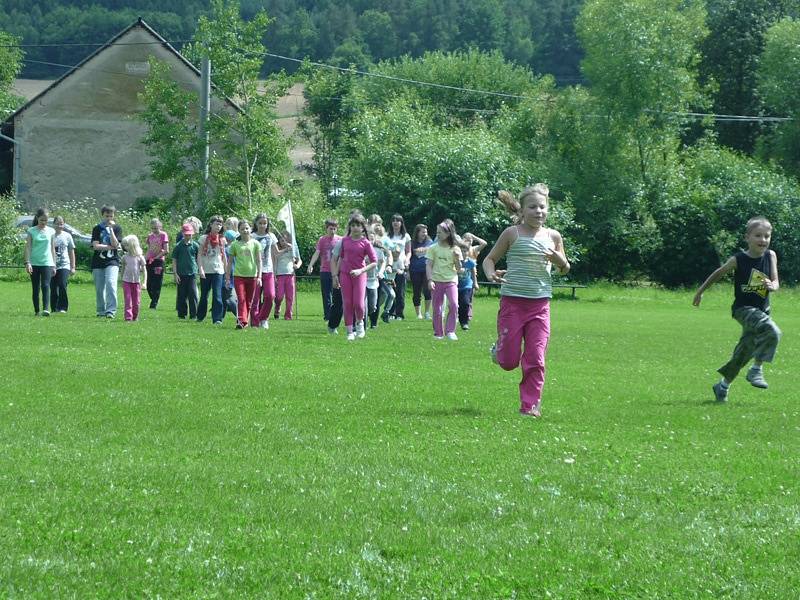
<point>514,205</point>
<point>156,221</point>
<point>131,245</point>
<point>758,221</point>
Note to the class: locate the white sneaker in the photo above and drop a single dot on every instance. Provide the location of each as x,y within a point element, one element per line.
<point>264,325</point>
<point>438,337</point>
<point>427,316</point>
<point>351,337</point>
<point>360,333</point>
<point>419,316</point>
<point>452,336</point>
<point>332,331</point>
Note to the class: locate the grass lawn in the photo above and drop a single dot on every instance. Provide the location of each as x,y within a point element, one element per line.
<point>178,460</point>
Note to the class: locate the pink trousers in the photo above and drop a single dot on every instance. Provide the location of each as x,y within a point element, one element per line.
<point>523,330</point>
<point>262,303</point>
<point>133,296</point>
<point>354,295</point>
<point>442,290</point>
<point>285,288</point>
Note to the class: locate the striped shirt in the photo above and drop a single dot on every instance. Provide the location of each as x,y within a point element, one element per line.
<point>528,273</point>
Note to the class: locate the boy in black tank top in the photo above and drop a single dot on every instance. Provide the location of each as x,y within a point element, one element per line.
<point>756,275</point>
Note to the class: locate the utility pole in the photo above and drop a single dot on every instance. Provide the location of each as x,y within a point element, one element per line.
<point>205,110</point>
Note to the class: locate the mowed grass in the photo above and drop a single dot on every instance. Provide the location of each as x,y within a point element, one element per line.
<point>177,460</point>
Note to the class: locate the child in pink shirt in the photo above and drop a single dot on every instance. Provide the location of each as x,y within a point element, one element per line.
<point>350,274</point>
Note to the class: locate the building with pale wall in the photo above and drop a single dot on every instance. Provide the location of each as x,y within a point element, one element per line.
<point>80,137</point>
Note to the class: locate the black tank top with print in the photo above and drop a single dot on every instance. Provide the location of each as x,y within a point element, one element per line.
<point>749,288</point>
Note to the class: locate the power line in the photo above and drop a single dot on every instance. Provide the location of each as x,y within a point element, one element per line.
<point>692,115</point>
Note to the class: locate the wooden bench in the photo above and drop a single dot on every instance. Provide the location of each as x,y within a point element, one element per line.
<point>490,285</point>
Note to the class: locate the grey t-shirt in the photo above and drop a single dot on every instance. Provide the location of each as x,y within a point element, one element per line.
<point>63,242</point>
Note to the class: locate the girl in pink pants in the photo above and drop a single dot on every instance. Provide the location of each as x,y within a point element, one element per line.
<point>285,266</point>
<point>350,273</point>
<point>134,268</point>
<point>442,268</point>
<point>265,293</point>
<point>523,323</point>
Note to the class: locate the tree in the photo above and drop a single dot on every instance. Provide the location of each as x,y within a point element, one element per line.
<point>641,60</point>
<point>778,82</point>
<point>249,149</point>
<point>10,65</point>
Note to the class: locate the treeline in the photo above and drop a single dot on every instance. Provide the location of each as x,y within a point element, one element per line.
<point>536,33</point>
<point>640,184</point>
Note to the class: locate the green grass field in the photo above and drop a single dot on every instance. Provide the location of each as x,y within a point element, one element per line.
<point>177,460</point>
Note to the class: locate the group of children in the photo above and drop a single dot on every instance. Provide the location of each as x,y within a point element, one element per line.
<point>249,271</point>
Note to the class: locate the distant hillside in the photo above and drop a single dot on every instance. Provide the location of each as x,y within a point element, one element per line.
<point>536,33</point>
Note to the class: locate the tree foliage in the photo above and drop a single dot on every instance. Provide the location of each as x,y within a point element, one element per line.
<point>10,65</point>
<point>249,151</point>
<point>779,82</point>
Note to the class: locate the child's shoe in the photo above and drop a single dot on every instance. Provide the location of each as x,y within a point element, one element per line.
<point>360,333</point>
<point>438,337</point>
<point>452,336</point>
<point>720,392</point>
<point>333,331</point>
<point>756,378</point>
<point>427,316</point>
<point>533,411</point>
<point>351,336</point>
<point>493,353</point>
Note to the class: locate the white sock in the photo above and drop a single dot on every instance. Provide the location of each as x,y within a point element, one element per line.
<point>725,383</point>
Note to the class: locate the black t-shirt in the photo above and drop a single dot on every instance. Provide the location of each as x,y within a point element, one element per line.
<point>749,288</point>
<point>105,258</point>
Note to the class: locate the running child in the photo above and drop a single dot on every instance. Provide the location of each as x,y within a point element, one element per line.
<point>157,250</point>
<point>530,250</point>
<point>265,295</point>
<point>755,276</point>
<point>285,266</point>
<point>245,265</point>
<point>65,266</point>
<point>443,267</point>
<point>134,268</point>
<point>349,274</point>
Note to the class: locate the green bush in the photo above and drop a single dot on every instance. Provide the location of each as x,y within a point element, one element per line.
<point>9,234</point>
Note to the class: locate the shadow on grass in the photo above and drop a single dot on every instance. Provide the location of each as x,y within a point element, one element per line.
<point>456,411</point>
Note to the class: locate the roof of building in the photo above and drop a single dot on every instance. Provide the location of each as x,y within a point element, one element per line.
<point>138,23</point>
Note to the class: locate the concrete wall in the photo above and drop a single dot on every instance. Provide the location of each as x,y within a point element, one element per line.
<point>81,139</point>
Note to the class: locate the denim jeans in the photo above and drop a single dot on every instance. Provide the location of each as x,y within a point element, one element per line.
<point>211,283</point>
<point>40,280</point>
<point>105,288</point>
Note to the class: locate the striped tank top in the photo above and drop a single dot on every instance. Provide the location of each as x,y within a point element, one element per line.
<point>528,273</point>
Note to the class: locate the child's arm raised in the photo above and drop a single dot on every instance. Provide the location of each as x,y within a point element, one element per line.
<point>730,265</point>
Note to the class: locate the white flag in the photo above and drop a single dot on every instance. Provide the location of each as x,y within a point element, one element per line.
<point>285,215</point>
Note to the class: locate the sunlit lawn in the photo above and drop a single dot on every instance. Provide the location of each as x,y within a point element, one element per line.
<point>173,459</point>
